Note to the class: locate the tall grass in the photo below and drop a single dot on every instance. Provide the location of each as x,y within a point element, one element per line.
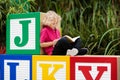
<point>96,21</point>
<point>12,6</point>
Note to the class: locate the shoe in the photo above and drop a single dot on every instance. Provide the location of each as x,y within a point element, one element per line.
<point>72,52</point>
<point>83,51</point>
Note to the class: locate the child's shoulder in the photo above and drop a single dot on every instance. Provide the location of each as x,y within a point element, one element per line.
<point>46,30</point>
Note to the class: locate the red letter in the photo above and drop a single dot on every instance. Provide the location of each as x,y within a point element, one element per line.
<point>101,70</point>
<point>85,70</point>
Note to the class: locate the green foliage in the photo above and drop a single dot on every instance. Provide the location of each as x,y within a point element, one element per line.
<point>12,6</point>
<point>96,21</point>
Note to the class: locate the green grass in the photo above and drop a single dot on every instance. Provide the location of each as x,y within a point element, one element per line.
<point>95,21</point>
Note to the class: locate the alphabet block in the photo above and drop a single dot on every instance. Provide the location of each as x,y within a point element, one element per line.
<point>23,33</point>
<point>51,68</point>
<point>15,67</point>
<point>93,68</point>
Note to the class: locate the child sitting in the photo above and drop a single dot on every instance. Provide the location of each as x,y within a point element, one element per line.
<point>51,41</point>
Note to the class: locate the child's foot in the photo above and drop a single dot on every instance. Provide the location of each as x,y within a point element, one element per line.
<point>72,52</point>
<point>83,51</point>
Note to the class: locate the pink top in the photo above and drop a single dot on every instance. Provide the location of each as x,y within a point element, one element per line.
<point>48,34</point>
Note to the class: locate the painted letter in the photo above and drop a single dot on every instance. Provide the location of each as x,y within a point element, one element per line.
<point>45,71</point>
<point>25,35</point>
<point>13,70</point>
<point>85,70</point>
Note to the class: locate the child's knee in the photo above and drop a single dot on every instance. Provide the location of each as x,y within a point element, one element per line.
<point>63,40</point>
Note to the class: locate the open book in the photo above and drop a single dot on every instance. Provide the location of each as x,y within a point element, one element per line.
<point>70,39</point>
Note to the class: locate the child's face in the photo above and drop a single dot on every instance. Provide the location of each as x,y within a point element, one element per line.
<point>51,19</point>
<point>53,22</point>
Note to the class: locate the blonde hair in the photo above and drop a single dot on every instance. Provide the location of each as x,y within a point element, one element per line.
<point>48,15</point>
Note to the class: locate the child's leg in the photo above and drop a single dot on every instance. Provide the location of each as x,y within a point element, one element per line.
<point>78,45</point>
<point>83,51</point>
<point>62,46</point>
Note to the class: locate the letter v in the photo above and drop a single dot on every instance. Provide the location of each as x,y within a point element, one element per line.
<point>85,70</point>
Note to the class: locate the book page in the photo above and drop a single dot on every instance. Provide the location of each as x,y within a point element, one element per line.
<point>71,39</point>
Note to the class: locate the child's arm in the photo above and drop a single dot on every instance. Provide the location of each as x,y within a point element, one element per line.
<point>47,44</point>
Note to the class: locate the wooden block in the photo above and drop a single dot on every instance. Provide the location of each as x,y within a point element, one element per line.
<point>15,67</point>
<point>51,67</point>
<point>23,33</point>
<point>93,68</point>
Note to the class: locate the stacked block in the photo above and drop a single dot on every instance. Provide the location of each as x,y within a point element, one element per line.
<point>23,33</point>
<point>15,67</point>
<point>93,68</point>
<point>27,67</point>
<point>51,68</point>
<point>20,63</point>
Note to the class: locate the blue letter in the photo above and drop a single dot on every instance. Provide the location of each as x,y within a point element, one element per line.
<point>13,70</point>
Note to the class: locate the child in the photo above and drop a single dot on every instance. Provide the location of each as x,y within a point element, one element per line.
<point>49,33</point>
<point>51,41</point>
